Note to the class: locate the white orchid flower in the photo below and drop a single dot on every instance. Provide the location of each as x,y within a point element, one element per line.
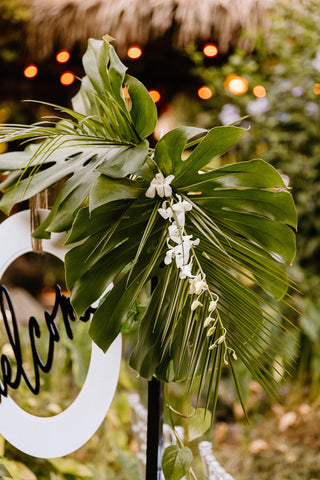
<point>182,250</point>
<point>207,321</point>
<point>175,211</point>
<point>179,248</point>
<point>212,305</point>
<point>177,252</point>
<point>160,185</point>
<point>179,256</point>
<point>170,254</point>
<point>211,331</point>
<point>175,232</point>
<point>197,285</point>
<point>186,271</point>
<point>223,336</point>
<point>179,259</point>
<point>165,212</point>
<point>179,209</point>
<point>187,244</point>
<point>195,305</point>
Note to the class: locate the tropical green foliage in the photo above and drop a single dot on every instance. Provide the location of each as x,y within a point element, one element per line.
<point>284,130</point>
<point>241,218</point>
<point>176,462</point>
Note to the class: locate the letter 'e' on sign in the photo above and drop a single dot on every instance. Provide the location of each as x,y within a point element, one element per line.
<point>51,437</point>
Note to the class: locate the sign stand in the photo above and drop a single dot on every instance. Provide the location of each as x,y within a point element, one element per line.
<point>154,432</point>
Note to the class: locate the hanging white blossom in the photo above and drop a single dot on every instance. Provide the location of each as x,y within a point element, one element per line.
<point>180,245</point>
<point>181,251</point>
<point>160,185</point>
<point>175,211</point>
<point>213,305</point>
<point>198,285</point>
<point>186,270</point>
<point>195,304</point>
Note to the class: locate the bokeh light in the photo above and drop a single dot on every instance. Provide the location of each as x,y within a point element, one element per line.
<point>316,88</point>
<point>155,95</point>
<point>204,93</point>
<point>259,91</point>
<point>134,52</point>
<point>30,71</point>
<point>67,78</point>
<point>210,50</point>
<point>63,56</point>
<point>236,84</point>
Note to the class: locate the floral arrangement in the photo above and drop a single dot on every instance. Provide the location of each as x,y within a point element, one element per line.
<point>183,245</point>
<point>196,254</point>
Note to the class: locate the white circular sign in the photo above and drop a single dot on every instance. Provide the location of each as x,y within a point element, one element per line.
<point>50,437</point>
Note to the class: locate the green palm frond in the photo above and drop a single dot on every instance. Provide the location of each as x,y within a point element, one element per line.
<point>241,218</point>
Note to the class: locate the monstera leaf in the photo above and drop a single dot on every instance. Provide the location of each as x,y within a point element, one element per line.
<point>244,218</point>
<point>128,210</point>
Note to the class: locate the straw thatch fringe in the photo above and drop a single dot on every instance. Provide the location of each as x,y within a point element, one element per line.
<point>66,23</point>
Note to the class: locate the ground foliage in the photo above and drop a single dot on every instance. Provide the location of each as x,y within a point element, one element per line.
<point>281,442</point>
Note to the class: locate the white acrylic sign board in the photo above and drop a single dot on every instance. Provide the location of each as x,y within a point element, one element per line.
<point>50,437</point>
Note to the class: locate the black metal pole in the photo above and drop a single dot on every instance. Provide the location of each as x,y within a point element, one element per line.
<point>154,432</point>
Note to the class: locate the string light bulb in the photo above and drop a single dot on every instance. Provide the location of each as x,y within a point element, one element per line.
<point>63,56</point>
<point>236,84</point>
<point>134,52</point>
<point>210,50</point>
<point>316,88</point>
<point>259,91</point>
<point>155,95</point>
<point>67,78</point>
<point>30,71</point>
<point>204,93</point>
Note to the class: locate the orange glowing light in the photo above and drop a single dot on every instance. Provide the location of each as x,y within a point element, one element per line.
<point>67,78</point>
<point>134,52</point>
<point>63,56</point>
<point>155,95</point>
<point>30,71</point>
<point>210,50</point>
<point>205,93</point>
<point>235,84</point>
<point>316,88</point>
<point>259,91</point>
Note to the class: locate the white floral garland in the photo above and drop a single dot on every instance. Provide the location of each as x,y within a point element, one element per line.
<point>180,246</point>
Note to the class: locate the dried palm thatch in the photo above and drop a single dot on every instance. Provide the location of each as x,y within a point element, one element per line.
<point>66,23</point>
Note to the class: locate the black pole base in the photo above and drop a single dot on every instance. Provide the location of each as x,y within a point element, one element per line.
<point>154,432</point>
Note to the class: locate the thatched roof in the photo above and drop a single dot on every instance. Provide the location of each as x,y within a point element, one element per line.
<point>66,23</point>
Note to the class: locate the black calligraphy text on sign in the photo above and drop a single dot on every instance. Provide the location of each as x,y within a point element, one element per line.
<point>11,327</point>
